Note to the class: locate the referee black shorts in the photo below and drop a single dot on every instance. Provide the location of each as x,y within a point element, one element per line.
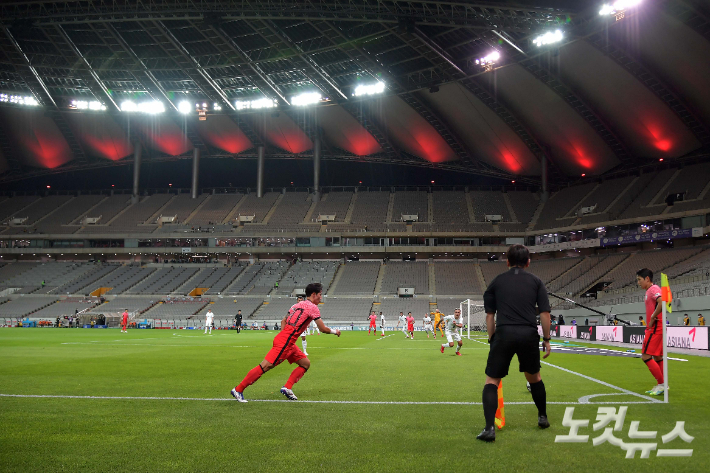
<point>509,340</point>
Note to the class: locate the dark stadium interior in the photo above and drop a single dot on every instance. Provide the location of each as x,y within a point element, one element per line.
<point>132,135</point>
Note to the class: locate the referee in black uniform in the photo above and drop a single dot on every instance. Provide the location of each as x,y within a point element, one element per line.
<point>514,297</point>
<point>238,321</point>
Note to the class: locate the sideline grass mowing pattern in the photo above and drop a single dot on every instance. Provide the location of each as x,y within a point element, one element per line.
<point>203,433</point>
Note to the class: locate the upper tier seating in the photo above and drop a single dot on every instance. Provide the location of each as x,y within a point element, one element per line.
<point>216,209</point>
<point>524,205</point>
<point>457,277</point>
<point>405,274</point>
<point>489,203</point>
<point>358,277</point>
<point>333,203</point>
<point>411,203</point>
<point>305,272</point>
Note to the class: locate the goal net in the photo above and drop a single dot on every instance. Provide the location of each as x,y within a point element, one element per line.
<point>475,317</point>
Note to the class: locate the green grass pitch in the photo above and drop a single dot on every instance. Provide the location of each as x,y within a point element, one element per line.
<point>209,431</point>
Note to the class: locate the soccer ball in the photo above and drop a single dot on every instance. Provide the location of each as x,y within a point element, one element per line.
<point>529,388</point>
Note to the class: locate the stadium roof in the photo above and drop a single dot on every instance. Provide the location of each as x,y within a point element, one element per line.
<point>617,92</point>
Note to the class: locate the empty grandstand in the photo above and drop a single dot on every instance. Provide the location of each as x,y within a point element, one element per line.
<point>356,277</point>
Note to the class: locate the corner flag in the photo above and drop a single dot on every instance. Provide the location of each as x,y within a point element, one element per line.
<point>500,412</point>
<point>666,294</point>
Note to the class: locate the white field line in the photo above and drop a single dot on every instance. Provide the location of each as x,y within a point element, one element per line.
<point>603,383</point>
<point>397,403</point>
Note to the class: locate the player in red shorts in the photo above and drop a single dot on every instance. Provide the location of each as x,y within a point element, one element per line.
<point>373,324</point>
<point>410,324</point>
<point>299,316</point>
<point>652,351</point>
<point>124,321</point>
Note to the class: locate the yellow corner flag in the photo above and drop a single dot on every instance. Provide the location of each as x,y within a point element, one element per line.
<point>666,294</point>
<point>500,412</point>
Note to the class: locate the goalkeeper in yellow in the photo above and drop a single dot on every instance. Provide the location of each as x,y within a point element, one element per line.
<point>437,317</point>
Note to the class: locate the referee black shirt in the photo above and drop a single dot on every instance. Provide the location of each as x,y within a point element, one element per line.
<point>513,296</point>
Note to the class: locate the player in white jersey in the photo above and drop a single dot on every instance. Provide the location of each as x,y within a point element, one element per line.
<point>428,327</point>
<point>403,320</point>
<point>452,324</point>
<point>314,328</point>
<point>209,320</point>
<point>382,323</point>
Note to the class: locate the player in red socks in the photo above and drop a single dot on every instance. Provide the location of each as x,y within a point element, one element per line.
<point>652,351</point>
<point>124,322</point>
<point>373,324</point>
<point>410,324</point>
<point>284,348</point>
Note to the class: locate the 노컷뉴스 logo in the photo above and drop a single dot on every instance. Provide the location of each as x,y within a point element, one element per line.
<point>605,415</point>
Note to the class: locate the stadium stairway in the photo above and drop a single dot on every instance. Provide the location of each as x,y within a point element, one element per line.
<point>380,278</point>
<point>235,209</point>
<point>469,205</point>
<point>197,209</point>
<point>432,279</point>
<point>351,208</point>
<point>390,208</point>
<point>506,199</point>
<point>336,279</point>
<point>536,216</point>
<point>479,273</point>
<point>158,212</point>
<point>571,268</point>
<point>272,210</point>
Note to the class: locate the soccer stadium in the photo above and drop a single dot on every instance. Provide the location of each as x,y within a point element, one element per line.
<point>194,191</point>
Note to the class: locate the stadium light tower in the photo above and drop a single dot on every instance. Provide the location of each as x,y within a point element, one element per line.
<point>488,61</point>
<point>255,104</point>
<point>184,107</point>
<point>153,107</point>
<point>550,37</point>
<point>370,89</point>
<point>618,8</point>
<point>307,98</point>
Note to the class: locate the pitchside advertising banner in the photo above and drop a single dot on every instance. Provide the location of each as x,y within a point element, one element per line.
<point>677,337</point>
<point>651,236</point>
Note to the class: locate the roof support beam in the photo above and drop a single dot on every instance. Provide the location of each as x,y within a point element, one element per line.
<point>93,73</point>
<point>306,58</point>
<point>262,81</point>
<point>154,89</point>
<point>195,64</point>
<point>43,97</point>
<point>654,83</point>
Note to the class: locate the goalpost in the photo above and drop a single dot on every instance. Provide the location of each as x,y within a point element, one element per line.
<point>475,316</point>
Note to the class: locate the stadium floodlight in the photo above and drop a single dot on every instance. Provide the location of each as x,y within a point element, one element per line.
<point>307,98</point>
<point>86,105</point>
<point>255,104</point>
<point>19,99</point>
<point>217,107</point>
<point>153,107</point>
<point>489,60</point>
<point>617,7</point>
<point>184,107</point>
<point>369,89</point>
<point>549,38</point>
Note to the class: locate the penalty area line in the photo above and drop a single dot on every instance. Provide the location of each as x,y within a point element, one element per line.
<point>396,403</point>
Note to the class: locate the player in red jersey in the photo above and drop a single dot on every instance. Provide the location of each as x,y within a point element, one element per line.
<point>284,348</point>
<point>652,351</point>
<point>124,321</point>
<point>410,324</point>
<point>373,323</point>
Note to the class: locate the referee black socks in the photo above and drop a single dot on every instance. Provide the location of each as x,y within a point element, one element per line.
<point>490,404</point>
<point>539,397</point>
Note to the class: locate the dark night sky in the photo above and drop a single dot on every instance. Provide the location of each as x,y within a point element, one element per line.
<point>220,172</point>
